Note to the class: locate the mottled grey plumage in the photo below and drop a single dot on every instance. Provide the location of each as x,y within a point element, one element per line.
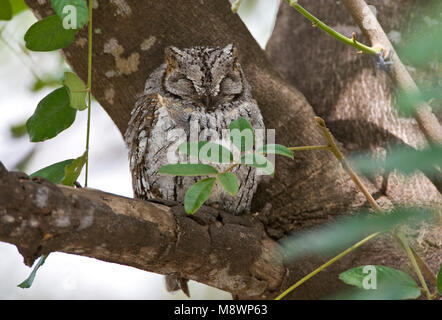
<point>199,85</point>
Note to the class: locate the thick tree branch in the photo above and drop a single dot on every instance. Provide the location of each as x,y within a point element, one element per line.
<point>213,247</point>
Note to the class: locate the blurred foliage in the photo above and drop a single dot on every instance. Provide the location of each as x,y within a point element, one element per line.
<point>24,162</point>
<point>18,6</point>
<point>18,130</point>
<point>46,81</point>
<point>403,159</point>
<point>439,280</point>
<point>5,10</point>
<point>421,49</point>
<point>346,231</point>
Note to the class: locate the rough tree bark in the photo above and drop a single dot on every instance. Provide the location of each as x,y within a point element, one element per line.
<point>129,40</point>
<point>228,252</point>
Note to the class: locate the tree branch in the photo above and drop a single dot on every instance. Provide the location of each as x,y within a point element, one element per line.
<point>371,28</point>
<point>224,251</point>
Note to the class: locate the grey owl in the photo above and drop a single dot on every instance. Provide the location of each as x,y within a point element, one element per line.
<point>203,87</point>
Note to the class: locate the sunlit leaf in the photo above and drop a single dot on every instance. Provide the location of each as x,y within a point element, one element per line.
<point>28,282</point>
<point>229,182</point>
<point>344,232</point>
<point>77,93</point>
<point>18,6</point>
<point>188,169</point>
<point>75,11</point>
<point>381,282</point>
<point>205,150</point>
<point>276,149</point>
<point>5,10</point>
<point>54,173</point>
<point>73,170</point>
<point>52,116</point>
<point>198,194</point>
<point>48,35</point>
<point>258,161</point>
<point>242,134</point>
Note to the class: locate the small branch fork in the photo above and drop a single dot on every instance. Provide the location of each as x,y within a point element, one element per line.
<point>416,261</point>
<point>427,121</point>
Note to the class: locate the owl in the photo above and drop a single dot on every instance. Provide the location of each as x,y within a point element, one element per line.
<point>193,96</point>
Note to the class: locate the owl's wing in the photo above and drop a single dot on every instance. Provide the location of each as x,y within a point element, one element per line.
<point>143,119</point>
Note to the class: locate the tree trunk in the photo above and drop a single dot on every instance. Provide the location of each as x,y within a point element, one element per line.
<point>129,42</point>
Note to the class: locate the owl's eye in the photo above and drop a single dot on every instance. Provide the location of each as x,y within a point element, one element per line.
<point>179,84</point>
<point>231,85</point>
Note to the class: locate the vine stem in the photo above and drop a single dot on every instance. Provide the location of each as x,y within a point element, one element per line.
<point>410,254</point>
<point>302,148</point>
<point>325,265</point>
<point>316,22</point>
<point>89,92</point>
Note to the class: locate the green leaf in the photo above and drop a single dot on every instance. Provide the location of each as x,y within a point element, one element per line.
<point>48,35</point>
<point>229,182</point>
<point>28,282</point>
<point>242,134</point>
<point>406,160</point>
<point>258,161</point>
<point>382,282</point>
<point>344,232</point>
<point>18,6</point>
<point>276,149</point>
<point>198,194</point>
<point>74,83</point>
<point>5,10</point>
<point>205,150</point>
<point>73,12</point>
<point>73,170</point>
<point>54,173</point>
<point>439,280</point>
<point>188,169</point>
<point>52,116</point>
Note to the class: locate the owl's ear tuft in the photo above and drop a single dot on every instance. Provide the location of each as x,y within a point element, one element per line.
<point>231,51</point>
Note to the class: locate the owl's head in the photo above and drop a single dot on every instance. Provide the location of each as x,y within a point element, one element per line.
<point>206,76</point>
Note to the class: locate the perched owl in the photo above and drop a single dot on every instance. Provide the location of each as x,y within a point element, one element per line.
<point>200,89</point>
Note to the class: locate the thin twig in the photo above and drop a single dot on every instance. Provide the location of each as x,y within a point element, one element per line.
<point>427,121</point>
<point>335,150</point>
